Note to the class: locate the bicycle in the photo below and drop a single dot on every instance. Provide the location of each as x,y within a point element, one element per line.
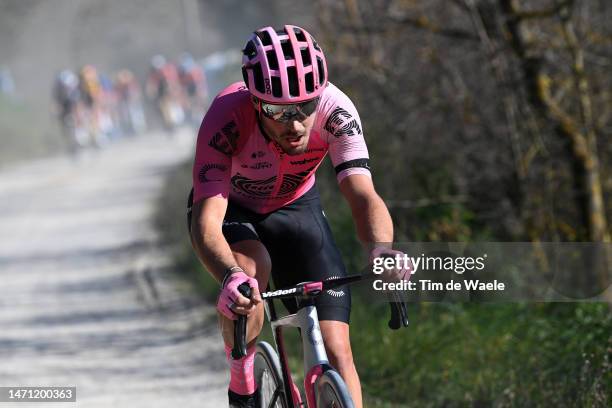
<point>323,386</point>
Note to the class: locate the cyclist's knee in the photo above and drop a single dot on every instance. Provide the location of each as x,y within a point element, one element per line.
<point>340,357</point>
<point>337,343</point>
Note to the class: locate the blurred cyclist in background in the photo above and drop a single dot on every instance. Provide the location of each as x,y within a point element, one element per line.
<point>193,84</point>
<point>129,103</point>
<point>163,88</point>
<point>92,96</point>
<point>66,97</point>
<point>89,85</point>
<point>109,113</point>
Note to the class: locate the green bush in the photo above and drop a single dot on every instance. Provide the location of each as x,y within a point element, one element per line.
<point>25,132</point>
<point>487,355</point>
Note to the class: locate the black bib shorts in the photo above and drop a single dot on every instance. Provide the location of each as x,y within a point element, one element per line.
<point>301,247</point>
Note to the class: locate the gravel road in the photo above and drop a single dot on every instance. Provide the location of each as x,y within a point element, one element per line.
<point>88,298</point>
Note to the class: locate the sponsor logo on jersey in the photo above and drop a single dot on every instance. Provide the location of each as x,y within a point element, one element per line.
<point>315,149</point>
<point>226,140</point>
<point>305,160</point>
<point>257,166</point>
<point>203,173</point>
<point>341,123</point>
<point>291,182</point>
<point>263,188</point>
<point>253,188</point>
<point>258,154</point>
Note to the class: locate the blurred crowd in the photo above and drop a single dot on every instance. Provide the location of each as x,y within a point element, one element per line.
<point>94,108</point>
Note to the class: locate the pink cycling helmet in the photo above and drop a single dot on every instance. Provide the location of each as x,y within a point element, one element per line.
<point>284,66</point>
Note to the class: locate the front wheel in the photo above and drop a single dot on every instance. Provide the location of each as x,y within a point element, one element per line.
<point>331,391</point>
<point>268,377</point>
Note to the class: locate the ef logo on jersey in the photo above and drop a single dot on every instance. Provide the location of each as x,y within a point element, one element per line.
<point>204,177</point>
<point>341,123</point>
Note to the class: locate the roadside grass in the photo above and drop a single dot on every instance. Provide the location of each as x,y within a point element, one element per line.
<point>452,355</point>
<point>504,355</point>
<point>25,132</point>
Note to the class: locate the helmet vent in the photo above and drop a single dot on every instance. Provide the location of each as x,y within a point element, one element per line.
<point>309,77</point>
<point>272,60</point>
<point>287,50</point>
<point>299,35</point>
<point>258,77</point>
<point>305,57</point>
<point>315,45</point>
<point>321,71</point>
<point>250,50</point>
<point>265,38</point>
<point>294,87</point>
<point>245,76</point>
<point>277,89</point>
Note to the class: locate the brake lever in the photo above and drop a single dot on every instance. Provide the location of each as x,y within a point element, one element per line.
<point>399,312</point>
<point>240,326</point>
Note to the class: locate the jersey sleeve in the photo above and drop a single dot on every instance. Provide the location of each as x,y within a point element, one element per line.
<point>217,143</point>
<point>343,132</point>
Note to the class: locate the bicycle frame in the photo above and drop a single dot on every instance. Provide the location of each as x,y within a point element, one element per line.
<point>315,358</point>
<point>306,319</point>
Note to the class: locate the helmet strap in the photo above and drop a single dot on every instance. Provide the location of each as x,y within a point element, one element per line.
<point>257,103</point>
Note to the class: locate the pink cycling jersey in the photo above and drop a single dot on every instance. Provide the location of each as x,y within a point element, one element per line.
<point>235,160</point>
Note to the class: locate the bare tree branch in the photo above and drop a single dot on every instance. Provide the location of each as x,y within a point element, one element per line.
<point>544,13</point>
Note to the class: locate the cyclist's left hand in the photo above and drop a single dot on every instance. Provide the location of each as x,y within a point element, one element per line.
<point>403,271</point>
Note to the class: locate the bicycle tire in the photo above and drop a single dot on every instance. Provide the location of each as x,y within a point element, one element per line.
<point>268,377</point>
<point>331,391</point>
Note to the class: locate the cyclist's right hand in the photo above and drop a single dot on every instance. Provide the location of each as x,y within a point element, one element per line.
<point>231,303</point>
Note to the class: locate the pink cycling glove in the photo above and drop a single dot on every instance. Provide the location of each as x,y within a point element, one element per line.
<point>229,293</point>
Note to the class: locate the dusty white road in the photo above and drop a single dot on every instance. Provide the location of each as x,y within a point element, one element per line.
<point>87,297</point>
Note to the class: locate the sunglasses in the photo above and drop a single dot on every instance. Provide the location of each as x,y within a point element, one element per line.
<point>290,112</point>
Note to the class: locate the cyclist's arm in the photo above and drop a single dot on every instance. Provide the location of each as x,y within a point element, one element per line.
<point>370,214</point>
<point>216,145</point>
<point>207,237</point>
<point>349,155</point>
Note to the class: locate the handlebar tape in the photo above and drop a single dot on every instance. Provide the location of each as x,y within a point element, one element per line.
<point>240,326</point>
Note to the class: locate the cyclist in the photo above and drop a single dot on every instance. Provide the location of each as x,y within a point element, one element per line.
<point>67,96</point>
<point>89,83</point>
<point>94,104</point>
<point>129,104</point>
<point>193,84</point>
<point>255,209</point>
<point>164,89</point>
<point>109,114</point>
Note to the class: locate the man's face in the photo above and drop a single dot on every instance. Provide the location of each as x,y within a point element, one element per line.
<point>289,125</point>
<point>291,136</point>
